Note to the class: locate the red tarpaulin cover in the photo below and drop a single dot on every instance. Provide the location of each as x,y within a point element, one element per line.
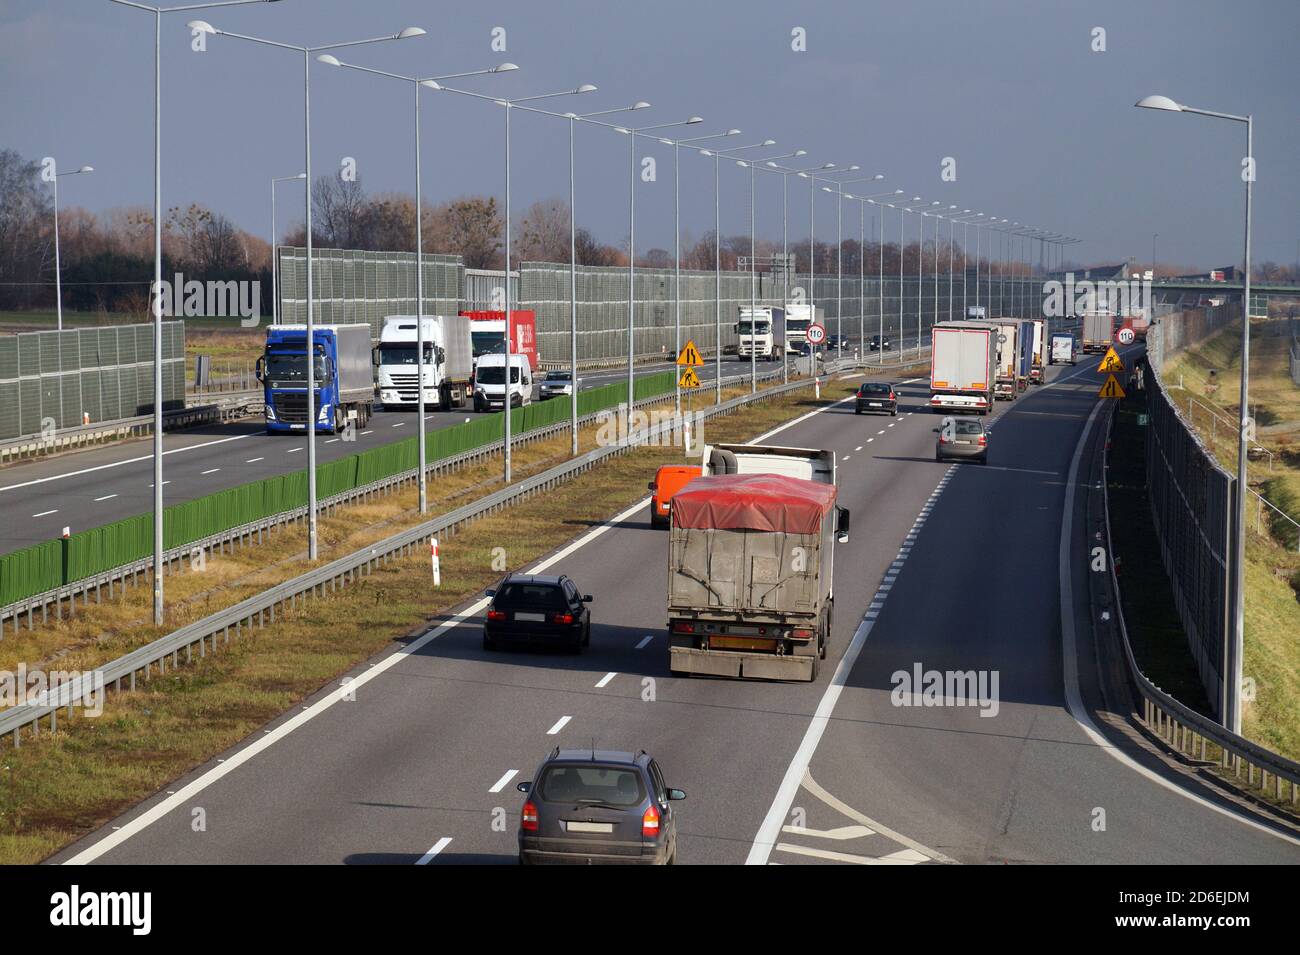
<point>757,502</point>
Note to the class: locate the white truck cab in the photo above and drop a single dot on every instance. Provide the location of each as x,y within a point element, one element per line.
<point>490,386</point>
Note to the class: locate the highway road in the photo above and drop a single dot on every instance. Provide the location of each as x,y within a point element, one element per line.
<point>951,566</point>
<point>100,485</point>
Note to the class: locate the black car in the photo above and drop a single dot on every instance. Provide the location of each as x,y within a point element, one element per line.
<point>879,344</point>
<point>589,806</point>
<point>876,396</point>
<point>539,611</point>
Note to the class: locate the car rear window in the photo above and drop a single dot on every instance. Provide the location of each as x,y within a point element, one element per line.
<point>875,389</point>
<point>530,595</point>
<point>613,785</point>
<point>969,427</point>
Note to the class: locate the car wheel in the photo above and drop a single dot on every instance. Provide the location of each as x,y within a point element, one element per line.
<point>938,456</point>
<point>488,643</point>
<point>857,411</point>
<point>894,412</point>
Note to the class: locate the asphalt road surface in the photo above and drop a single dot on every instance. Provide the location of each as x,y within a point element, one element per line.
<point>951,566</point>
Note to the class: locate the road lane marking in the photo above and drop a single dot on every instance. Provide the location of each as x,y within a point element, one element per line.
<point>332,440</point>
<point>559,725</point>
<point>437,847</point>
<point>604,681</point>
<point>254,460</point>
<point>209,471</point>
<point>372,432</point>
<point>46,513</point>
<point>106,497</point>
<point>891,859</point>
<point>839,834</point>
<point>399,424</point>
<point>644,640</point>
<point>292,450</point>
<point>500,784</point>
<point>118,464</point>
<point>858,448</point>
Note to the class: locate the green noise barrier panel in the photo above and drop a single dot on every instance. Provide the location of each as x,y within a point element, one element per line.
<point>53,564</point>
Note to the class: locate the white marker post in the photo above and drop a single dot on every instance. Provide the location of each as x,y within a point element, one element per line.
<point>433,562</point>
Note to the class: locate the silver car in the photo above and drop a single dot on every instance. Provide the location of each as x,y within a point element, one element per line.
<point>556,384</point>
<point>962,438</point>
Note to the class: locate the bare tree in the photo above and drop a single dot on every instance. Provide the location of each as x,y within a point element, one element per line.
<point>543,232</point>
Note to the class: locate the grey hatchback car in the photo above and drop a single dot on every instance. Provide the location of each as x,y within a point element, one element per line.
<point>962,438</point>
<point>592,806</point>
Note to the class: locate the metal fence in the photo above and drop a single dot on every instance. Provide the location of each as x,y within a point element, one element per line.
<point>365,286</point>
<point>103,373</point>
<point>1294,355</point>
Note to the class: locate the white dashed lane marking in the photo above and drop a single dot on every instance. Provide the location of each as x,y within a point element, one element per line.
<point>559,725</point>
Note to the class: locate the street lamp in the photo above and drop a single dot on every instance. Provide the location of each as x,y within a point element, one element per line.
<point>157,279</point>
<point>416,83</point>
<point>717,258</point>
<point>201,26</point>
<point>677,245</point>
<point>509,106</point>
<point>880,279</point>
<point>275,261</point>
<point>966,219</point>
<point>1230,705</point>
<point>58,270</point>
<point>840,195</point>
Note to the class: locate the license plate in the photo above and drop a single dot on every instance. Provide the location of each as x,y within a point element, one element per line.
<point>875,404</point>
<point>535,617</point>
<point>588,826</point>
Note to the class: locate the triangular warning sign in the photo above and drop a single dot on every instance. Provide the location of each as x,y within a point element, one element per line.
<point>690,357</point>
<point>1111,388</point>
<point>1112,362</point>
<point>689,379</point>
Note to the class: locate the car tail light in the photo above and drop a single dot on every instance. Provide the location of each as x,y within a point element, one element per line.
<point>682,627</point>
<point>496,615</point>
<point>561,618</point>
<point>528,817</point>
<point>943,439</point>
<point>983,440</point>
<point>649,822</point>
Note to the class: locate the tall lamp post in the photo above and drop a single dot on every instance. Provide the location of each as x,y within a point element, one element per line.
<point>58,269</point>
<point>1230,705</point>
<point>416,83</point>
<point>812,178</point>
<point>841,195</point>
<point>509,106</point>
<point>275,261</point>
<point>157,279</point>
<point>313,416</point>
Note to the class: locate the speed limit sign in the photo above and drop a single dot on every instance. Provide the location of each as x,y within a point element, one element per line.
<point>816,334</point>
<point>1124,336</point>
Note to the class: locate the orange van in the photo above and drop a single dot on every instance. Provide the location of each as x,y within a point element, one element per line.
<point>669,479</point>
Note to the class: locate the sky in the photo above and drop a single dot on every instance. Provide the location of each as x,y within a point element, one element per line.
<point>1040,125</point>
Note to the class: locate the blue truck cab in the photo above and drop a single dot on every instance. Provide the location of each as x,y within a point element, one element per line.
<point>342,371</point>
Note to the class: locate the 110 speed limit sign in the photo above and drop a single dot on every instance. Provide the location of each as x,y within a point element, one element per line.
<point>816,334</point>
<point>1124,336</point>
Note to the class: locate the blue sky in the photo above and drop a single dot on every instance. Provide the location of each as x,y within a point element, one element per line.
<point>1041,127</point>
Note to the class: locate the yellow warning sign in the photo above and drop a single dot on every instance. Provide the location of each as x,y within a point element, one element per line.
<point>1111,388</point>
<point>689,379</point>
<point>1112,362</point>
<point>690,357</point>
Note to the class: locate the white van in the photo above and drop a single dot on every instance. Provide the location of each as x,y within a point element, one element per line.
<point>490,381</point>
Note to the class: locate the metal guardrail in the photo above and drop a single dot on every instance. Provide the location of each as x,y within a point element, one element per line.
<point>218,407</point>
<point>175,557</point>
<point>1182,729</point>
<point>258,610</point>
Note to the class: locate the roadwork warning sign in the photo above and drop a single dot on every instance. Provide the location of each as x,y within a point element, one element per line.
<point>1111,388</point>
<point>1111,362</point>
<point>690,357</point>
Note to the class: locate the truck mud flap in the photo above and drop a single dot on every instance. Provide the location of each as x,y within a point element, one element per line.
<point>750,666</point>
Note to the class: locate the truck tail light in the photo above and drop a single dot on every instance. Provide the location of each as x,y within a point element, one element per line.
<point>649,823</point>
<point>943,439</point>
<point>801,634</point>
<point>496,615</point>
<point>683,627</point>
<point>528,817</point>
<point>561,618</point>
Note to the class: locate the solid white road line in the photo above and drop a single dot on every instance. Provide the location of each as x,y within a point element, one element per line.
<point>905,857</point>
<point>500,784</point>
<point>839,834</point>
<point>604,680</point>
<point>437,847</point>
<point>118,464</point>
<point>1073,696</point>
<point>562,722</point>
<point>644,640</point>
<point>106,497</point>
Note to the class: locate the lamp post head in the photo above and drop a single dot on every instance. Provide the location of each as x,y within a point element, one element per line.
<point>640,104</point>
<point>693,120</point>
<point>86,169</point>
<point>430,84</point>
<point>328,60</point>
<point>409,32</point>
<point>504,68</point>
<point>801,152</point>
<point>203,26</point>
<point>585,88</point>
<point>1159,102</point>
<point>732,132</point>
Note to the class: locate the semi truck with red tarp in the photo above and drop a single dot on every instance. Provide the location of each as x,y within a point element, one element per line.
<point>488,327</point>
<point>751,562</point>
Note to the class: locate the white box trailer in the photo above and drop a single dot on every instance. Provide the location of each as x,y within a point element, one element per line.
<point>445,371</point>
<point>1009,346</point>
<point>962,366</point>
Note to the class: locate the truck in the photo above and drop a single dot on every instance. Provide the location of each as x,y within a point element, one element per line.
<point>487,330</point>
<point>446,369</point>
<point>963,360</point>
<point>490,381</point>
<point>341,368</point>
<point>798,316</point>
<point>1064,349</point>
<point>1097,328</point>
<point>1036,329</point>
<point>751,560</point>
<point>1009,345</point>
<point>760,332</point>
